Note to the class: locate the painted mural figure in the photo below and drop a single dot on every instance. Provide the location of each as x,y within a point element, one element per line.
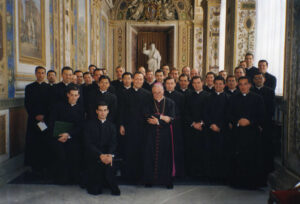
<point>154,57</point>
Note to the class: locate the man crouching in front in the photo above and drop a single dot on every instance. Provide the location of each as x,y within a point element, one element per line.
<point>100,145</point>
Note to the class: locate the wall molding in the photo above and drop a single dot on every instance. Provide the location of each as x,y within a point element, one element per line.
<point>11,103</point>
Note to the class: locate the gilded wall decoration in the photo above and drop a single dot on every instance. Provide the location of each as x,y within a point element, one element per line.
<point>31,32</point>
<point>82,42</point>
<point>184,44</point>
<point>95,16</point>
<point>3,60</point>
<point>245,29</point>
<point>213,31</point>
<point>55,14</point>
<point>69,33</point>
<point>103,42</point>
<point>198,48</point>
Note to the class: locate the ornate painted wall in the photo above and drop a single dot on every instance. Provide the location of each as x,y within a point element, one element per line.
<point>240,31</point>
<point>245,29</point>
<point>211,35</point>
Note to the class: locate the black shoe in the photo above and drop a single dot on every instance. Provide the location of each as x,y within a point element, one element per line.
<point>170,186</point>
<point>148,185</point>
<point>94,191</point>
<point>116,191</point>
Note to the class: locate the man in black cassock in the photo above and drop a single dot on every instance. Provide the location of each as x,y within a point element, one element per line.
<point>231,85</point>
<point>217,126</point>
<point>196,154</point>
<point>117,84</point>
<point>102,94</point>
<point>159,161</point>
<point>60,93</point>
<point>132,127</point>
<point>66,149</point>
<point>37,107</point>
<point>270,80</point>
<point>100,145</point>
<point>268,96</point>
<point>149,80</point>
<point>250,69</point>
<point>126,84</point>
<point>177,124</point>
<point>246,115</point>
<point>209,82</point>
<point>184,85</point>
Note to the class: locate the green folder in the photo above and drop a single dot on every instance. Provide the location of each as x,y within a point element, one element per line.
<point>61,127</point>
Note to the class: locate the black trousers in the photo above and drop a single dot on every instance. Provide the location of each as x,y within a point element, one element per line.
<point>100,174</point>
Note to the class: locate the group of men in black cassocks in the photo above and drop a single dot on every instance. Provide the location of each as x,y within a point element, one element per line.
<point>157,133</point>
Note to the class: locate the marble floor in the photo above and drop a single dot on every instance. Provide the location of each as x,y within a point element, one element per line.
<point>181,194</point>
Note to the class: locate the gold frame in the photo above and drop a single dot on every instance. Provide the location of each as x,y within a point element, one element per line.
<point>32,60</point>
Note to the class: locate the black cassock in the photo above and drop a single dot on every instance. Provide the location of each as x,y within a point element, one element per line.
<point>179,99</point>
<point>271,81</point>
<point>231,92</point>
<point>196,155</point>
<point>250,72</point>
<point>94,97</point>
<point>132,118</point>
<point>100,138</point>
<point>117,84</point>
<point>209,89</point>
<point>67,156</point>
<point>36,103</point>
<point>246,156</point>
<point>268,96</point>
<point>60,92</point>
<point>216,113</point>
<point>148,86</point>
<point>159,148</point>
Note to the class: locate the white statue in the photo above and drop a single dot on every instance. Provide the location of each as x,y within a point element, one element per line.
<point>153,57</point>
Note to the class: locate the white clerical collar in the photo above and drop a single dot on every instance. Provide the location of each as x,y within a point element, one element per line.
<point>136,89</point>
<point>183,90</point>
<point>51,84</point>
<point>103,92</point>
<point>249,67</point>
<point>102,121</point>
<point>218,93</point>
<point>259,87</point>
<point>245,94</point>
<point>232,90</point>
<point>39,82</point>
<point>198,91</point>
<point>73,104</point>
<point>210,87</point>
<point>127,87</point>
<point>160,100</point>
<point>170,92</point>
<point>66,84</point>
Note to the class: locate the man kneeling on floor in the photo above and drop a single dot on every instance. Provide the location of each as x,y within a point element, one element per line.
<point>100,144</point>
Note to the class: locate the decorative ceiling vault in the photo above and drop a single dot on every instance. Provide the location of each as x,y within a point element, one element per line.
<point>153,10</point>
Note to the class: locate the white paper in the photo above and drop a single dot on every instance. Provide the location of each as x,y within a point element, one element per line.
<point>42,126</point>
